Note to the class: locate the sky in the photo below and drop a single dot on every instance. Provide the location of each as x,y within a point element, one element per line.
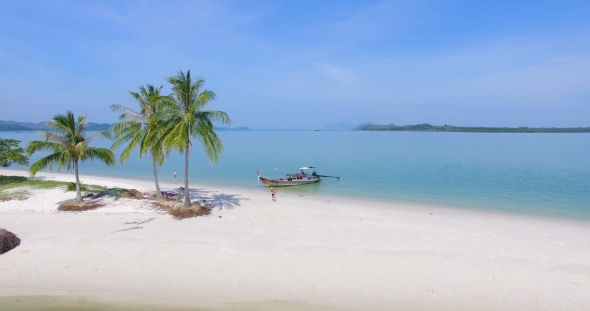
<point>304,64</point>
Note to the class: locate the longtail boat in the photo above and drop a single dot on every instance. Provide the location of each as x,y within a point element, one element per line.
<point>293,179</point>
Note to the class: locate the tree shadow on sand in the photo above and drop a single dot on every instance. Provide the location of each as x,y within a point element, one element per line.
<point>213,200</point>
<point>229,201</point>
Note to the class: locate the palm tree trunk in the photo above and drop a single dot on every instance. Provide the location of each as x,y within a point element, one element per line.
<point>158,192</point>
<point>187,200</point>
<point>78,193</point>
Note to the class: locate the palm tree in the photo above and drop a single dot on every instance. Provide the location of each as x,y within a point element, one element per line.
<point>69,145</point>
<point>137,127</point>
<point>184,118</point>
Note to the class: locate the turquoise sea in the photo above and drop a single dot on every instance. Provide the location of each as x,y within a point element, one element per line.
<point>546,174</point>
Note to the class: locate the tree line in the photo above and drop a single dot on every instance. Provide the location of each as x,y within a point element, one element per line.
<point>450,128</point>
<point>161,124</point>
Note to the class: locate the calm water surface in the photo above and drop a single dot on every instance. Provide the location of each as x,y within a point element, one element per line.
<point>537,173</point>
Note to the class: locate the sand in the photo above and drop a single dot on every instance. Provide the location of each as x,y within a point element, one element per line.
<point>300,253</point>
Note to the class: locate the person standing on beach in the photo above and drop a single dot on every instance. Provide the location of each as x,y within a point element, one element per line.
<point>273,194</point>
<point>175,178</point>
<point>49,166</point>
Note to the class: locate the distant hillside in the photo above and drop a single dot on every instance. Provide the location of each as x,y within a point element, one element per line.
<point>449,128</point>
<point>41,126</point>
<point>360,126</point>
<point>14,127</point>
<point>21,126</point>
<point>91,126</point>
<point>338,127</point>
<point>242,128</point>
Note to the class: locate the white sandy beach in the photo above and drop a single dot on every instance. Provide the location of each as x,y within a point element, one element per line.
<point>300,253</point>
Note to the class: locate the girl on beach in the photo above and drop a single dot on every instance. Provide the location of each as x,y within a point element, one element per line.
<point>49,166</point>
<point>273,194</point>
<point>175,178</point>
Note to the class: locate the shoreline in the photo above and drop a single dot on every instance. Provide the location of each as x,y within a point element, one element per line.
<point>300,253</point>
<point>147,185</point>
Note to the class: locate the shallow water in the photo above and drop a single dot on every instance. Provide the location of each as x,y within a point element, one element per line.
<point>547,174</point>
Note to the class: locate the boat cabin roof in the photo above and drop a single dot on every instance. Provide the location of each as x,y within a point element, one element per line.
<point>297,175</point>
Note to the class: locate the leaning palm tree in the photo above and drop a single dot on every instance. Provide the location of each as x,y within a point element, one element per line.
<point>68,144</point>
<point>184,118</point>
<point>136,129</point>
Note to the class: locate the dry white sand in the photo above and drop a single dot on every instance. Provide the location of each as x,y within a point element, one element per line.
<point>299,253</point>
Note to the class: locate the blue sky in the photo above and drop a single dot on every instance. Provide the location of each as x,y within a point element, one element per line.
<point>304,64</point>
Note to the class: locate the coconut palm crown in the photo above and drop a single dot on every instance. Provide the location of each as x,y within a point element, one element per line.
<point>136,128</point>
<point>68,144</point>
<point>184,118</point>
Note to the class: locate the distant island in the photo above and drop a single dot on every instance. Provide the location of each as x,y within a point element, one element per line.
<point>41,126</point>
<point>450,128</point>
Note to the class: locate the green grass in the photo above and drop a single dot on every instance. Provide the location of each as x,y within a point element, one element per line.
<point>17,187</point>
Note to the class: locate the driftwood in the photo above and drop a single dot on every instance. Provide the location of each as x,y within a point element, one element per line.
<point>8,241</point>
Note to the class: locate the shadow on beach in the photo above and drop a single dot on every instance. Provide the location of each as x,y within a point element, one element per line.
<point>214,200</point>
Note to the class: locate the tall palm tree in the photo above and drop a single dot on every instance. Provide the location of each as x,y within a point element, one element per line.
<point>184,118</point>
<point>137,127</point>
<point>68,143</point>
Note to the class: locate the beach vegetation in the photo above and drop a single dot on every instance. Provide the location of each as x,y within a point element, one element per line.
<point>177,209</point>
<point>184,118</point>
<point>126,193</point>
<point>138,129</point>
<point>75,206</point>
<point>18,187</point>
<point>11,153</point>
<point>68,145</point>
<point>72,187</point>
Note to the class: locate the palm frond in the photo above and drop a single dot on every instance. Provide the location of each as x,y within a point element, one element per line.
<point>127,114</point>
<point>102,154</point>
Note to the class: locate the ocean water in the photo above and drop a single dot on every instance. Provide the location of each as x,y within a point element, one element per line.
<point>544,174</point>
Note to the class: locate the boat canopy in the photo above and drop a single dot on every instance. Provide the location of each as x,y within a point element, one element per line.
<point>297,175</point>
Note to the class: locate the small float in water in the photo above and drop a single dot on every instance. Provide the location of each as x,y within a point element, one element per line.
<point>294,179</point>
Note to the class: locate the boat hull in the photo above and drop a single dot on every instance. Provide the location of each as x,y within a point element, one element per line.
<point>277,182</point>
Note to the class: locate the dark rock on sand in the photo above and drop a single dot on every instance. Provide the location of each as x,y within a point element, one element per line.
<point>8,241</point>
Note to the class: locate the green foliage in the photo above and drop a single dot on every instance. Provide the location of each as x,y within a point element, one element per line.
<point>135,128</point>
<point>11,180</point>
<point>11,153</point>
<point>183,118</point>
<point>72,187</point>
<point>68,145</point>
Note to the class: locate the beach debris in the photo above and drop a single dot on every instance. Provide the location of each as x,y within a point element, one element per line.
<point>179,211</point>
<point>8,241</point>
<point>132,228</point>
<point>73,206</point>
<point>139,222</point>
